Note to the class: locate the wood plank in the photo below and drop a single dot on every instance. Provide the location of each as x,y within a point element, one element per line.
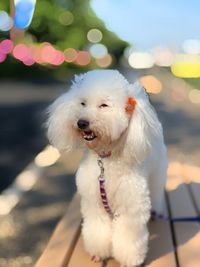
<point>161,250</point>
<point>195,190</point>
<point>80,258</point>
<point>191,175</point>
<point>187,234</point>
<point>60,246</point>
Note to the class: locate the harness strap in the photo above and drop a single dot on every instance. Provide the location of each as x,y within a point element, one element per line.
<point>102,188</point>
<point>103,195</point>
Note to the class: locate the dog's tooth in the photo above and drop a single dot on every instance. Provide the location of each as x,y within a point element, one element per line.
<point>89,136</point>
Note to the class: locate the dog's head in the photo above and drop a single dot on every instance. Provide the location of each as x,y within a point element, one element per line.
<point>100,107</point>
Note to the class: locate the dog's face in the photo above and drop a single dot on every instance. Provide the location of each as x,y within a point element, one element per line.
<point>93,112</point>
<point>98,109</point>
<point>99,118</point>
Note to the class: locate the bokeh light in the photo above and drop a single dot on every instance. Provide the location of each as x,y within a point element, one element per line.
<point>191,46</point>
<point>36,53</point>
<point>83,58</point>
<point>6,46</point>
<point>151,84</point>
<point>7,202</point>
<point>94,35</point>
<point>48,53</point>
<point>21,52</point>
<point>47,157</point>
<point>105,61</point>
<point>186,66</point>
<point>66,18</point>
<point>179,94</point>
<point>23,13</point>
<point>29,61</point>
<point>98,50</point>
<point>26,180</point>
<point>186,69</point>
<point>6,22</point>
<point>141,60</point>
<point>194,96</point>
<point>59,58</point>
<point>70,55</point>
<point>163,56</point>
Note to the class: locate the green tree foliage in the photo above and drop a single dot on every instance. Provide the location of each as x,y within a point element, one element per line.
<point>65,24</point>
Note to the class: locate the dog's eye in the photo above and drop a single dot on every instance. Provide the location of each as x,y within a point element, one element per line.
<point>103,106</point>
<point>83,104</point>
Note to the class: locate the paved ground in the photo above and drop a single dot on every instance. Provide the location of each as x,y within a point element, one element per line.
<point>22,114</point>
<point>25,231</point>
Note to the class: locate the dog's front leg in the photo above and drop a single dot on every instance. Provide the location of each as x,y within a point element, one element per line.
<point>129,242</point>
<point>96,230</point>
<point>130,234</point>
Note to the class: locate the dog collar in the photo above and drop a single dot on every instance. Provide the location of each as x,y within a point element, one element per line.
<point>105,154</point>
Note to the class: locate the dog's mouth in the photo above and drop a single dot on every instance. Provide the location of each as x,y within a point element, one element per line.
<point>88,135</point>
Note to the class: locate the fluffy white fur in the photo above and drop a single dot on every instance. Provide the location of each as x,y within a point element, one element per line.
<point>135,172</point>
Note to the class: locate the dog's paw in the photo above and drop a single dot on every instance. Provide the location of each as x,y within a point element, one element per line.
<point>96,259</point>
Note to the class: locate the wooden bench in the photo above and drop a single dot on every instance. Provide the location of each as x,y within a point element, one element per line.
<point>171,244</point>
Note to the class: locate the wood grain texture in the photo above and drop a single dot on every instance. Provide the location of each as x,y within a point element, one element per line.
<point>187,234</point>
<point>195,190</point>
<point>161,250</point>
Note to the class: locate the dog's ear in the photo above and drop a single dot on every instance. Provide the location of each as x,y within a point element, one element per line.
<point>144,126</point>
<point>59,130</point>
<point>130,105</point>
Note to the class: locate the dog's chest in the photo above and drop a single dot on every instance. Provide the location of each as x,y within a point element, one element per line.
<point>88,182</point>
<point>113,171</point>
<point>113,178</point>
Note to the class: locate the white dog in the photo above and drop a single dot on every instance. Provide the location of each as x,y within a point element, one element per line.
<point>122,174</point>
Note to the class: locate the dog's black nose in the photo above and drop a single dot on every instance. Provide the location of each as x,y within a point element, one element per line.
<point>83,124</point>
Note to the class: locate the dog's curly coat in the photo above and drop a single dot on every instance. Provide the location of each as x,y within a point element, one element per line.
<point>93,113</point>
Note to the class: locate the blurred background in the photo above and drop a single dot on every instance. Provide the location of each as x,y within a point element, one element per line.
<point>43,44</point>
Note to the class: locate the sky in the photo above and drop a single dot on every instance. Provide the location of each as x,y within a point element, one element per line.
<point>150,23</point>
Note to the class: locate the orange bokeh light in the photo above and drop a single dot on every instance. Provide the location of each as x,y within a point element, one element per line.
<point>21,52</point>
<point>151,84</point>
<point>105,61</point>
<point>70,54</point>
<point>83,58</point>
